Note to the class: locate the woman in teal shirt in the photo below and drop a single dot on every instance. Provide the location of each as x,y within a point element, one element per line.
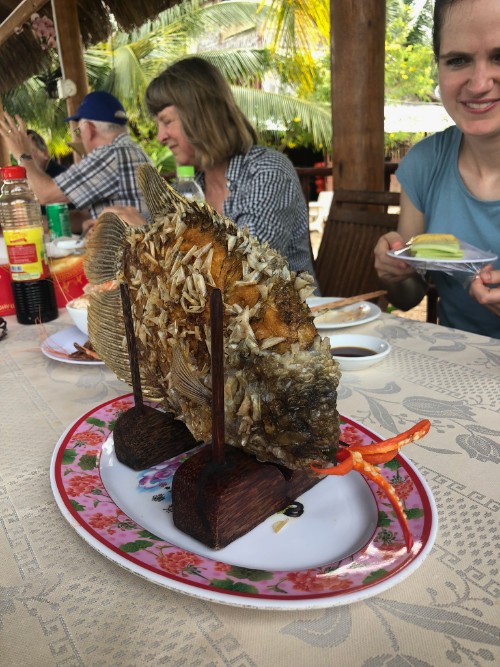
<point>451,181</point>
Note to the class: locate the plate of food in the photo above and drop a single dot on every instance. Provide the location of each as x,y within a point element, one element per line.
<point>351,315</point>
<point>345,545</point>
<point>442,252</point>
<point>71,346</point>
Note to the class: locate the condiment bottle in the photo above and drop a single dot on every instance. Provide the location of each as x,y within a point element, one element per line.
<point>22,225</point>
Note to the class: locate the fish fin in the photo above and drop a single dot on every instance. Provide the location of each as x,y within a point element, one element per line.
<point>184,380</point>
<point>160,197</point>
<point>105,248</point>
<point>108,340</point>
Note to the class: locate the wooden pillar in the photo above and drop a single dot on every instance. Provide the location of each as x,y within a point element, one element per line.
<point>70,48</point>
<point>357,61</point>
<point>4,153</point>
<point>357,65</point>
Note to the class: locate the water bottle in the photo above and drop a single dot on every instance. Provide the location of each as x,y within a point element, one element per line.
<point>186,185</point>
<point>22,225</point>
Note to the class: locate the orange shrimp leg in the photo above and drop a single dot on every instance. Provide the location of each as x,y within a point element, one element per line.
<point>354,461</point>
<point>381,452</point>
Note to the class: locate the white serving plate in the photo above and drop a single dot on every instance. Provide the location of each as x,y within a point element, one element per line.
<point>336,553</point>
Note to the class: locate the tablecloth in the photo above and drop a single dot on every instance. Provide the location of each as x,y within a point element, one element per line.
<point>63,604</point>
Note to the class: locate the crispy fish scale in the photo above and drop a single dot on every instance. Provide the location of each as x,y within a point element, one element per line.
<point>280,402</point>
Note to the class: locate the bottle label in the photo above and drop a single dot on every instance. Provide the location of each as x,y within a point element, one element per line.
<point>26,253</point>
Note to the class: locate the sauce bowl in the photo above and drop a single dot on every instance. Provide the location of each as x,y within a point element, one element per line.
<point>353,352</point>
<point>77,309</point>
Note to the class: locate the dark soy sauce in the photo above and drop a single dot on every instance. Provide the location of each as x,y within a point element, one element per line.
<point>352,352</point>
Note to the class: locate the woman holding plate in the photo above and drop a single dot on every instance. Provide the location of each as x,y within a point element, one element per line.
<point>450,181</point>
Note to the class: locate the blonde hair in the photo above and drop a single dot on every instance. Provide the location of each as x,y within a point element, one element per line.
<point>213,123</point>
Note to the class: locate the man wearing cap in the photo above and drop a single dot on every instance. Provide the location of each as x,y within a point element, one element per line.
<point>105,177</point>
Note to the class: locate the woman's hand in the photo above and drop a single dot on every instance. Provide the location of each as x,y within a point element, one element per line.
<point>389,269</point>
<point>484,294</point>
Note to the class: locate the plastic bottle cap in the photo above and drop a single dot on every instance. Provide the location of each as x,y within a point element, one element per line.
<point>9,173</point>
<point>186,171</point>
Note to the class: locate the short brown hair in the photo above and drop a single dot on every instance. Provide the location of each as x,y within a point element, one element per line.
<point>213,123</point>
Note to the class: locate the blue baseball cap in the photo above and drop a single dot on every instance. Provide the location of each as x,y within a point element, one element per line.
<point>100,106</point>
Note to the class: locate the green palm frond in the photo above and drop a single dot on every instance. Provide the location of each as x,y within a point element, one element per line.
<point>240,65</point>
<point>271,113</point>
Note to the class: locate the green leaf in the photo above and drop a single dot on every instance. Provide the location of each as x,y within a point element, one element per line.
<point>230,585</point>
<point>68,457</point>
<point>383,520</point>
<point>252,575</point>
<point>146,533</point>
<point>414,513</point>
<point>138,545</point>
<point>374,576</point>
<point>392,465</point>
<point>76,506</point>
<point>96,422</point>
<point>88,462</point>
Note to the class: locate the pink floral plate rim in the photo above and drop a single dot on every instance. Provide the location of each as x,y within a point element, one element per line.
<point>380,564</point>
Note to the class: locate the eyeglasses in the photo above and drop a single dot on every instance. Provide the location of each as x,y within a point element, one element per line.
<point>78,130</point>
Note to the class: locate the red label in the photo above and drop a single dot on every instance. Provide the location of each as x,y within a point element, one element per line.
<point>22,254</point>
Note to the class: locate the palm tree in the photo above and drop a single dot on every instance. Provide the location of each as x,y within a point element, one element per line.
<point>126,63</point>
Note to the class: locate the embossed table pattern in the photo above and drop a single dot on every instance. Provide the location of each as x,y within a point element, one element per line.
<point>63,604</point>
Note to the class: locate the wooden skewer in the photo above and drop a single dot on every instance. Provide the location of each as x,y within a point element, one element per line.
<point>333,305</point>
<point>217,367</point>
<point>132,348</point>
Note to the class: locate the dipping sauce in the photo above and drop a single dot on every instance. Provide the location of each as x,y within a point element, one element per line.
<point>352,352</point>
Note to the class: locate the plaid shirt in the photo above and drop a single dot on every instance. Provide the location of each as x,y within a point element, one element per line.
<point>265,195</point>
<point>106,177</point>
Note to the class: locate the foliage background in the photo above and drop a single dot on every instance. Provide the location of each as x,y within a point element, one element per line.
<point>275,55</point>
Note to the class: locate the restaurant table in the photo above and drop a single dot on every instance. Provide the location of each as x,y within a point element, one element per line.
<point>62,603</point>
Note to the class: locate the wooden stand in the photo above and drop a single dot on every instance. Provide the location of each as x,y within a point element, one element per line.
<point>220,493</point>
<point>144,436</point>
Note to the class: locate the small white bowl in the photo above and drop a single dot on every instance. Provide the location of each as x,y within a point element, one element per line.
<point>378,348</point>
<point>79,315</point>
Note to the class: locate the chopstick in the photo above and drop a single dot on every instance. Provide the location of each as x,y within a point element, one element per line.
<point>333,305</point>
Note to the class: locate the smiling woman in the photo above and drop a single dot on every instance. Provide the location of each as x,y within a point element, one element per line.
<point>450,181</point>
<point>254,186</point>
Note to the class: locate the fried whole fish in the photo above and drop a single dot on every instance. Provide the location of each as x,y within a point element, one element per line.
<point>280,379</point>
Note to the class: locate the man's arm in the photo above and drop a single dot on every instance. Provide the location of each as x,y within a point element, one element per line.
<point>42,184</point>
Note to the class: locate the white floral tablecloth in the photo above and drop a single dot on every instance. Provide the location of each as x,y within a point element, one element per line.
<point>64,604</point>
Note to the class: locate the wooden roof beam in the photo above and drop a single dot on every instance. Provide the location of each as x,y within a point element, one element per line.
<point>18,17</point>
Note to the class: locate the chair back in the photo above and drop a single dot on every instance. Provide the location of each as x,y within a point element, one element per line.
<point>345,262</point>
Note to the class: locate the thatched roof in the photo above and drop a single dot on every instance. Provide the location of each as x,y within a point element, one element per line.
<point>21,55</point>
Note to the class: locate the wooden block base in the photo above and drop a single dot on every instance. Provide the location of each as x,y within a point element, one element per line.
<point>144,438</point>
<point>217,503</point>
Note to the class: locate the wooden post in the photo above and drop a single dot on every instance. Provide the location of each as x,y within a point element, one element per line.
<point>357,61</point>
<point>357,64</point>
<point>70,48</point>
<point>4,153</point>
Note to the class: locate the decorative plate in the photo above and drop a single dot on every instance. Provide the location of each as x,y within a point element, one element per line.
<point>346,546</point>
<point>59,347</point>
<point>348,316</point>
